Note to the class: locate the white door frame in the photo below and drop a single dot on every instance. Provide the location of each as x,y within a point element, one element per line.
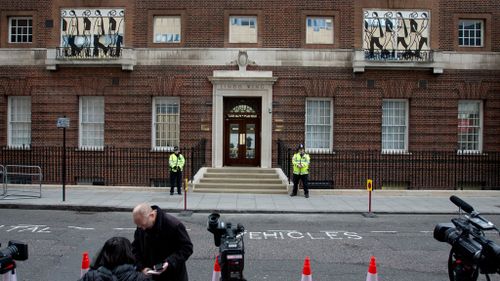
<point>242,84</point>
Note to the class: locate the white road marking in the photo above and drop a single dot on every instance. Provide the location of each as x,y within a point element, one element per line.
<point>30,227</point>
<point>294,234</point>
<point>81,228</point>
<point>124,228</point>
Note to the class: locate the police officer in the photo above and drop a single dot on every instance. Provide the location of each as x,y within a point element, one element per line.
<point>300,163</point>
<point>176,164</point>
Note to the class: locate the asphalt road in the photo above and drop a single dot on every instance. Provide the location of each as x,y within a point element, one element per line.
<point>340,246</point>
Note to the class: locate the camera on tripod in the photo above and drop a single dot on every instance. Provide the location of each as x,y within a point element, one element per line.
<point>16,251</point>
<point>471,252</point>
<point>229,239</point>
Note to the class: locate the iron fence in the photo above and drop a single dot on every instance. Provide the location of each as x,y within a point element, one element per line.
<point>415,170</point>
<point>109,166</point>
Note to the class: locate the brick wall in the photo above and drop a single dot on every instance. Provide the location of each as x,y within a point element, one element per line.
<point>357,107</point>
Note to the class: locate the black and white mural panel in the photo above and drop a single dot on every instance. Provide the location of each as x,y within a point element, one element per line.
<point>396,35</point>
<point>92,33</point>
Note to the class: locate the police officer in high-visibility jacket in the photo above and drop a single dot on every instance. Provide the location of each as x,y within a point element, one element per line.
<point>176,164</point>
<point>300,163</point>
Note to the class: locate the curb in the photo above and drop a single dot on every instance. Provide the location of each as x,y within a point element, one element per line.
<point>82,208</point>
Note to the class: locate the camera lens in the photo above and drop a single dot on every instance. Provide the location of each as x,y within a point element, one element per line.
<point>213,218</point>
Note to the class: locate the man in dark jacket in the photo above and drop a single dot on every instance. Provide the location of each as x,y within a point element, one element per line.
<point>161,239</point>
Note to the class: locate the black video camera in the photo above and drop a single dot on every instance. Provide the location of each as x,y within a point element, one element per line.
<point>229,239</point>
<point>15,251</point>
<point>471,252</point>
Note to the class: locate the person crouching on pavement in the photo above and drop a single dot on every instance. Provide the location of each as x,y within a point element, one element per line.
<point>176,164</point>
<point>160,239</point>
<point>300,163</point>
<point>115,262</point>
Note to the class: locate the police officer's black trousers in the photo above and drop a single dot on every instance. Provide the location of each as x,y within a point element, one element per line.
<point>296,179</point>
<point>175,180</point>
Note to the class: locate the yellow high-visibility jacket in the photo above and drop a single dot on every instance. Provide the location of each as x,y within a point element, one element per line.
<point>176,163</point>
<point>301,164</point>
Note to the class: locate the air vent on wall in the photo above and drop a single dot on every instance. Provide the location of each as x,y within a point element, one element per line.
<point>422,84</point>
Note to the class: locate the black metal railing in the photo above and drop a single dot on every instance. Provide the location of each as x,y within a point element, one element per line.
<point>285,159</point>
<point>109,166</point>
<point>399,55</point>
<point>415,170</point>
<point>84,53</point>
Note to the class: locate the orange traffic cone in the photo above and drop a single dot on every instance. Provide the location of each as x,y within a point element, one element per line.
<point>9,276</point>
<point>306,271</point>
<point>372,270</point>
<point>85,264</point>
<point>216,272</point>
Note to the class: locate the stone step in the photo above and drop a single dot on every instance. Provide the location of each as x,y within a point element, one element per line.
<point>240,170</point>
<point>240,190</point>
<point>242,180</point>
<point>240,175</point>
<point>222,185</point>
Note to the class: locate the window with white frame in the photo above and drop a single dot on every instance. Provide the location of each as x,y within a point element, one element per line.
<point>319,123</point>
<point>469,125</point>
<point>319,30</point>
<point>242,29</point>
<point>470,33</point>
<point>19,133</point>
<point>167,29</point>
<point>395,126</point>
<point>20,30</point>
<point>92,122</point>
<point>166,121</point>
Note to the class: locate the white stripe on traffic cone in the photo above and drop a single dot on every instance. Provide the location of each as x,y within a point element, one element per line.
<point>9,276</point>
<point>372,270</point>
<point>13,277</point>
<point>306,271</point>
<point>216,272</point>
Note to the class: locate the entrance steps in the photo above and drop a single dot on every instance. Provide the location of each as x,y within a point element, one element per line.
<point>241,180</point>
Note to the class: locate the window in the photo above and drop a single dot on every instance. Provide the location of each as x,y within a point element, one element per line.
<point>319,117</point>
<point>470,33</point>
<point>166,129</point>
<point>319,30</point>
<point>20,30</point>
<point>394,126</point>
<point>19,134</point>
<point>469,126</point>
<point>242,29</point>
<point>167,29</point>
<point>92,122</point>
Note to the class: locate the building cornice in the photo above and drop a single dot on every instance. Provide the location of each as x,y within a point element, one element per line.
<point>264,57</point>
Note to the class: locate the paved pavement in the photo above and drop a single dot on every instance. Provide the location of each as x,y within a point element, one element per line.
<point>107,198</point>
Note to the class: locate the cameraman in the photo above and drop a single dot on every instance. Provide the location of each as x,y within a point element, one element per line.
<point>176,163</point>
<point>160,239</point>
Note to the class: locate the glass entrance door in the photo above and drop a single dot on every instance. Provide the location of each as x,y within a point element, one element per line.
<point>242,137</point>
<point>241,148</point>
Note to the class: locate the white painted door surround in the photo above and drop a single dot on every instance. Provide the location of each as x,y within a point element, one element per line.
<point>242,83</point>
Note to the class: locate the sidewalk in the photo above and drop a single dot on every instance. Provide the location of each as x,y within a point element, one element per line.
<point>108,198</point>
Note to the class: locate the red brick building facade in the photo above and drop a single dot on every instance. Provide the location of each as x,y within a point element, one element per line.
<point>386,76</point>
